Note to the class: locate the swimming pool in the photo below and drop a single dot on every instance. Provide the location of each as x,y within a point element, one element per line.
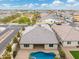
<point>42,55</point>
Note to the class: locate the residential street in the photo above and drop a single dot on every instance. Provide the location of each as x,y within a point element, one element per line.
<point>7,40</point>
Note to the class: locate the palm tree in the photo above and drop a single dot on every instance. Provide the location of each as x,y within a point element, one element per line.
<point>15,40</point>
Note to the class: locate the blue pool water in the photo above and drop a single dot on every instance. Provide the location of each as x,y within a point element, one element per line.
<point>42,55</point>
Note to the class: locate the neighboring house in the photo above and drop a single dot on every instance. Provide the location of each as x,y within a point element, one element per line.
<point>2,29</point>
<point>49,21</point>
<point>39,36</point>
<point>68,36</point>
<point>52,21</point>
<point>76,18</point>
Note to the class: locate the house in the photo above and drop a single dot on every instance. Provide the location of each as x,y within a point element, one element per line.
<point>76,18</point>
<point>2,29</point>
<point>68,35</point>
<point>39,36</point>
<point>52,21</point>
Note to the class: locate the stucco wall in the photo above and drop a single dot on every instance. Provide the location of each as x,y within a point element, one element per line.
<point>54,47</point>
<point>30,47</point>
<point>46,47</point>
<point>73,44</point>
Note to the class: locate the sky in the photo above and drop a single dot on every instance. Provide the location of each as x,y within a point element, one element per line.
<point>40,4</point>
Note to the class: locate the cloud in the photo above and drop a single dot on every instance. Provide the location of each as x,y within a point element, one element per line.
<point>57,3</point>
<point>6,5</point>
<point>44,5</point>
<point>10,6</point>
<point>71,1</point>
<point>14,0</point>
<point>10,0</point>
<point>28,6</point>
<point>41,0</point>
<point>72,6</point>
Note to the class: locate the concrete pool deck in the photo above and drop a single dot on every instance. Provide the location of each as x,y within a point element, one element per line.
<point>24,54</point>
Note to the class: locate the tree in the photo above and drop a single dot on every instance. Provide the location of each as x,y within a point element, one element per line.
<point>35,17</point>
<point>62,54</point>
<point>24,20</point>
<point>7,56</point>
<point>9,18</point>
<point>9,48</point>
<point>15,40</point>
<point>18,35</point>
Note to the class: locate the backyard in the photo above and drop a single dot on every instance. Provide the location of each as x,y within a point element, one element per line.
<point>75,54</point>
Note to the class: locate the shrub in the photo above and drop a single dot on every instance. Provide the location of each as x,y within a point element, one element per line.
<point>56,58</point>
<point>18,34</point>
<point>62,54</point>
<point>14,54</point>
<point>9,48</point>
<point>6,56</point>
<point>15,40</point>
<point>24,20</point>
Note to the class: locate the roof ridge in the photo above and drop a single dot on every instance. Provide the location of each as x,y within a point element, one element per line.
<point>39,27</point>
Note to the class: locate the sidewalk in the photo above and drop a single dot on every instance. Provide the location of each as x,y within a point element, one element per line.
<point>67,52</point>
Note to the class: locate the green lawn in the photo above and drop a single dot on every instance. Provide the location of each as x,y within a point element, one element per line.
<point>75,54</point>
<point>23,20</point>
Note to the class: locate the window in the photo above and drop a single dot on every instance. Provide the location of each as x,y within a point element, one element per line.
<point>50,45</point>
<point>69,42</point>
<point>26,45</point>
<point>78,42</point>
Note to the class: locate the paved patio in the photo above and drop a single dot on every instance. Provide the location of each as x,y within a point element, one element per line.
<point>24,54</point>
